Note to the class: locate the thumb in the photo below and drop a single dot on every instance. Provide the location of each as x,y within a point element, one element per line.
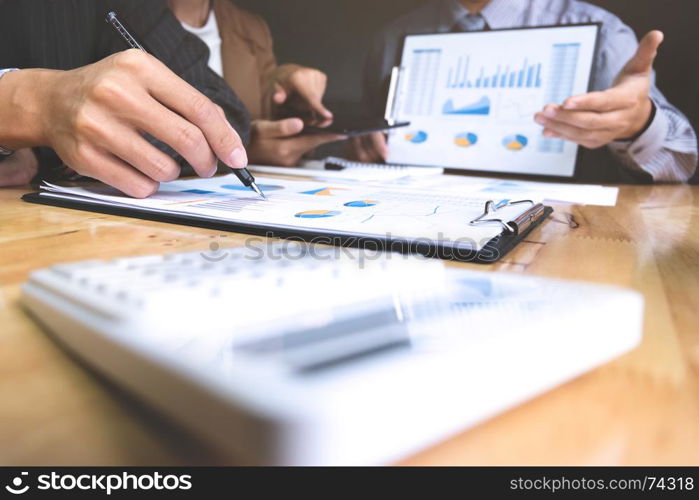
<point>268,129</point>
<point>280,94</point>
<point>643,59</point>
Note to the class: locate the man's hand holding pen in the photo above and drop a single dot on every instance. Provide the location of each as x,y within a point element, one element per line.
<point>94,118</point>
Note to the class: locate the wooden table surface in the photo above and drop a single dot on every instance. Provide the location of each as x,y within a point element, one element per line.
<point>640,409</point>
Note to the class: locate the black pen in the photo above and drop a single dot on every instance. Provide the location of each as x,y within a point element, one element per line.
<point>242,173</point>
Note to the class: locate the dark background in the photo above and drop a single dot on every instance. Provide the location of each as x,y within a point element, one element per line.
<point>333,35</point>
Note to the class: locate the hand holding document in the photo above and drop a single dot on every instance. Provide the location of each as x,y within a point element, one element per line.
<point>471,98</point>
<point>622,112</point>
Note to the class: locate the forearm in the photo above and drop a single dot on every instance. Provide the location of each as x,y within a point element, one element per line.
<point>23,107</point>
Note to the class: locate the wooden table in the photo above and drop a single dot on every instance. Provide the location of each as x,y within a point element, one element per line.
<point>640,409</point>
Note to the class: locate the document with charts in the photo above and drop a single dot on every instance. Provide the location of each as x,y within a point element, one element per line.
<point>471,98</point>
<point>373,210</point>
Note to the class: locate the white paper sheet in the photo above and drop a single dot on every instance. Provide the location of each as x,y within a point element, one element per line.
<point>431,180</point>
<point>550,192</point>
<point>365,173</point>
<point>324,208</point>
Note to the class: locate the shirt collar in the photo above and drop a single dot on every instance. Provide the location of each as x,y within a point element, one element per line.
<point>499,14</point>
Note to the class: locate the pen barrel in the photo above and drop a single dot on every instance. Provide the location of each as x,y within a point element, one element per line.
<point>244,175</point>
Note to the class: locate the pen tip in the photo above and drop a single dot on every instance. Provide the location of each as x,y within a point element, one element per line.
<point>258,191</point>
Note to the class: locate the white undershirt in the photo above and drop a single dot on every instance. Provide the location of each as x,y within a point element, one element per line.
<point>210,35</point>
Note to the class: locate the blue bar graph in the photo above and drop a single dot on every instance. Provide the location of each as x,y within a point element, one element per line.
<point>529,76</point>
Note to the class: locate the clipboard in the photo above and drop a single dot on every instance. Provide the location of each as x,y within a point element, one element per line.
<point>445,90</point>
<point>513,231</point>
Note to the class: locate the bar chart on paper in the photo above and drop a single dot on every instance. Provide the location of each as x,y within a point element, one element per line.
<point>526,76</point>
<point>564,61</point>
<point>472,97</point>
<point>423,81</point>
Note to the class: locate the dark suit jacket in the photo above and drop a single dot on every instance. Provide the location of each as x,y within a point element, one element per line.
<point>66,34</point>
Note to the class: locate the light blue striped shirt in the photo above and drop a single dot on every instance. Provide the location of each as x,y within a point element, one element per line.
<point>666,151</point>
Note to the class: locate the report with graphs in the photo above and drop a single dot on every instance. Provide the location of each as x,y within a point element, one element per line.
<point>308,209</point>
<point>471,98</point>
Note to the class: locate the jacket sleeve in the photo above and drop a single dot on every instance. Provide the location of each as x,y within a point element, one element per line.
<point>267,62</point>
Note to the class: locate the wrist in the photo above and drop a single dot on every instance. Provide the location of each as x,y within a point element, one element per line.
<point>24,105</point>
<point>646,116</point>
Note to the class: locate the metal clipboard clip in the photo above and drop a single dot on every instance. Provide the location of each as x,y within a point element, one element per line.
<point>394,91</point>
<point>516,226</point>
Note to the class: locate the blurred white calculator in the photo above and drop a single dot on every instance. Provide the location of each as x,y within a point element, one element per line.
<point>295,355</point>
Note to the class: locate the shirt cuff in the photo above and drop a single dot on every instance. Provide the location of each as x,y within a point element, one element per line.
<point>7,70</point>
<point>642,150</point>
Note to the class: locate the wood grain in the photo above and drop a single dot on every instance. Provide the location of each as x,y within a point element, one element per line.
<point>640,409</point>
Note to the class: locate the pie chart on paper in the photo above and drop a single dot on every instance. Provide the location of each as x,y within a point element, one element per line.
<point>317,214</point>
<point>362,203</point>
<point>515,142</point>
<point>466,139</point>
<point>325,191</point>
<point>416,137</point>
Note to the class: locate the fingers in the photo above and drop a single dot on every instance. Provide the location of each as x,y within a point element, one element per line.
<point>14,174</point>
<point>605,101</point>
<point>134,150</point>
<point>279,128</point>
<point>182,136</point>
<point>628,86</point>
<point>370,148</point>
<point>356,149</point>
<point>587,120</point>
<point>588,129</point>
<point>379,143</point>
<point>111,170</point>
<point>309,142</point>
<point>220,134</point>
<point>313,97</point>
<point>591,139</point>
<point>280,95</point>
<point>278,142</point>
<point>288,129</point>
<point>196,108</point>
<point>287,152</point>
<point>19,169</point>
<point>309,86</point>
<point>642,61</point>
